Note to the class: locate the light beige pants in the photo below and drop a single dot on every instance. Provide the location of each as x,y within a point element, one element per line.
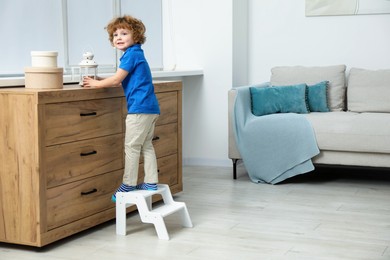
<point>138,140</point>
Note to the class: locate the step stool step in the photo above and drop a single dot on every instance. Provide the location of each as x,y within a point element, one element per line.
<point>147,193</point>
<point>168,209</point>
<point>131,198</point>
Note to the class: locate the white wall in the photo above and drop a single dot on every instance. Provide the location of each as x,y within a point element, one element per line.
<point>202,32</point>
<point>278,34</point>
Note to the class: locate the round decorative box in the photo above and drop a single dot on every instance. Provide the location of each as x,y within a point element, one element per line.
<point>46,59</point>
<point>40,77</point>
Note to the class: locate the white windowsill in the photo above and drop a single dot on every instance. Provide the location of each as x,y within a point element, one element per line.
<point>177,73</point>
<point>19,81</point>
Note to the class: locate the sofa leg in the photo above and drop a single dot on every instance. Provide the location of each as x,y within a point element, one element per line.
<point>235,168</point>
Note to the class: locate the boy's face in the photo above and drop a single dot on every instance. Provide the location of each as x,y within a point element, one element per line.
<point>122,39</point>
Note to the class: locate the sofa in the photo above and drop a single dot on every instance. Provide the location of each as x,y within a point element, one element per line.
<point>354,128</point>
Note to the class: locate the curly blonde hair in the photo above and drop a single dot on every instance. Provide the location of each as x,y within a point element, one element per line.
<point>130,23</point>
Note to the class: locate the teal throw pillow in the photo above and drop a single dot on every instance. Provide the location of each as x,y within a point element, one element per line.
<point>317,97</point>
<point>279,99</point>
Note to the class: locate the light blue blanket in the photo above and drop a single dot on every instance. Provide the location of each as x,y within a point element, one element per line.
<point>273,147</point>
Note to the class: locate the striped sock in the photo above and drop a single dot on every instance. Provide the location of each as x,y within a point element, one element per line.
<point>146,186</point>
<point>122,188</point>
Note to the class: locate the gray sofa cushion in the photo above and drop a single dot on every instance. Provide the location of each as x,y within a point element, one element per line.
<point>354,132</point>
<point>369,90</point>
<point>288,75</point>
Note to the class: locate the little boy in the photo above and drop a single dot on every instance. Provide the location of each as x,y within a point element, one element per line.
<point>128,34</point>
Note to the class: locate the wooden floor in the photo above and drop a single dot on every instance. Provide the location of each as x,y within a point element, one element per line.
<point>327,214</point>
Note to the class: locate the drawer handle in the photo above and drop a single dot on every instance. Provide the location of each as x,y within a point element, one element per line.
<point>89,153</point>
<point>155,138</point>
<point>88,114</point>
<point>83,193</point>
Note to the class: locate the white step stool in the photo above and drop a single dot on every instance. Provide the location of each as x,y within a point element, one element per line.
<point>143,200</point>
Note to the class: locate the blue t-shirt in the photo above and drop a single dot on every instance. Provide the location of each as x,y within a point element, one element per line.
<point>138,85</point>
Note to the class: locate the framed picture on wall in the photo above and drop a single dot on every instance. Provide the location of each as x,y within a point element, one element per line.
<point>346,7</point>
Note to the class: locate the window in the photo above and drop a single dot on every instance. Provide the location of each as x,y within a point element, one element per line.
<point>23,30</point>
<point>85,22</point>
<point>71,27</point>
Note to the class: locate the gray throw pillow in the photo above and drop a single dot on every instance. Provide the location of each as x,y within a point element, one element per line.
<point>369,90</point>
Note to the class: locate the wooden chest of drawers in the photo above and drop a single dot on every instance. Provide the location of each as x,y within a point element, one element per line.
<point>62,157</point>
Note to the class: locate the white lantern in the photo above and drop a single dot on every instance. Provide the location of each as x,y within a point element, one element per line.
<point>88,67</point>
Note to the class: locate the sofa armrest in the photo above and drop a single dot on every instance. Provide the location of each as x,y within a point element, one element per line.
<point>233,151</point>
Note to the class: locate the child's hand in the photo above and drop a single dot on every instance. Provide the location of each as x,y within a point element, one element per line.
<point>89,82</point>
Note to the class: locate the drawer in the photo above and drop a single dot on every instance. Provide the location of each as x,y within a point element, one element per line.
<point>70,162</point>
<point>165,140</point>
<point>167,170</point>
<point>77,200</point>
<point>168,107</point>
<point>73,121</point>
